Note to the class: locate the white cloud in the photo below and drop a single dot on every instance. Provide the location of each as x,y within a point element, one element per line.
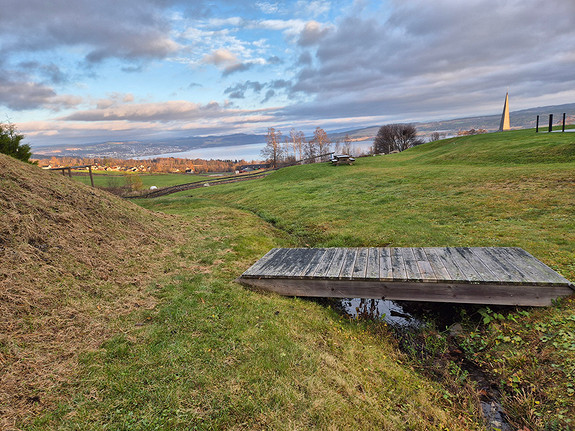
<point>267,7</point>
<point>313,8</point>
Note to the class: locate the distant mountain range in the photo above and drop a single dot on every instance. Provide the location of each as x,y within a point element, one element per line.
<point>134,149</point>
<point>522,119</point>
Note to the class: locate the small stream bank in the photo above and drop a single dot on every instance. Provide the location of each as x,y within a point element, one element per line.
<point>412,323</point>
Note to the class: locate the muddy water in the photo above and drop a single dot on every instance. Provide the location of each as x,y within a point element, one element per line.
<point>411,317</point>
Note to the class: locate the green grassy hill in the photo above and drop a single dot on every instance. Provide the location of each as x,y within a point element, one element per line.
<point>169,341</point>
<point>115,317</point>
<point>504,189</point>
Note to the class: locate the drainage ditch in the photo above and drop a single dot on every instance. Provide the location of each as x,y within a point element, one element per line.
<point>409,321</point>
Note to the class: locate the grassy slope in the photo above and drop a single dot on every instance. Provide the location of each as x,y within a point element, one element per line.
<point>213,355</point>
<point>516,191</point>
<point>103,337</point>
<point>72,258</point>
<point>116,179</point>
<point>505,189</point>
<point>216,356</point>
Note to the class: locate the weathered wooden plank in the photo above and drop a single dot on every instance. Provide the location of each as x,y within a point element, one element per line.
<point>385,266</point>
<point>348,264</point>
<point>360,264</point>
<point>509,266</point>
<point>531,267</point>
<point>398,271</point>
<point>414,291</point>
<point>445,258</point>
<point>411,268</point>
<point>439,269</point>
<point>300,259</point>
<point>314,262</point>
<point>501,272</point>
<point>278,264</point>
<point>372,269</point>
<point>425,269</point>
<point>337,261</point>
<point>477,264</point>
<point>486,275</point>
<point>256,267</point>
<point>324,264</point>
<point>452,254</point>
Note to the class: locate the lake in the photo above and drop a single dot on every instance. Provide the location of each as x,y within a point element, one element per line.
<point>246,152</point>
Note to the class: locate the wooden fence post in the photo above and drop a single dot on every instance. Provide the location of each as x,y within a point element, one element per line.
<point>550,122</point>
<point>537,125</point>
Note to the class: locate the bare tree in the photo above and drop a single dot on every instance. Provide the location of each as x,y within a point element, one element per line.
<point>297,140</point>
<point>435,136</point>
<point>289,157</point>
<point>346,149</point>
<point>321,140</point>
<point>337,147</point>
<point>395,137</point>
<point>310,151</point>
<point>273,150</point>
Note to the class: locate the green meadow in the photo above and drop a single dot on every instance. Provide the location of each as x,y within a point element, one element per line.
<point>214,355</point>
<point>118,179</point>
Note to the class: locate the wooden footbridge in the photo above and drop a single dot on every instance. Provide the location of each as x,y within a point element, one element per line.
<point>477,275</point>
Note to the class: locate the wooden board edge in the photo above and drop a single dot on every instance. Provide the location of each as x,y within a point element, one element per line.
<point>406,291</point>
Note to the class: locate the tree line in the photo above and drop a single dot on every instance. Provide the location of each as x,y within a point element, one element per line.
<point>295,147</point>
<point>157,165</point>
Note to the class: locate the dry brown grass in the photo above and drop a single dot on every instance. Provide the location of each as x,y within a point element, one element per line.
<point>72,258</point>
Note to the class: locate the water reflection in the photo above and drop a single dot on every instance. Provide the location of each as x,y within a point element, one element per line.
<point>379,309</point>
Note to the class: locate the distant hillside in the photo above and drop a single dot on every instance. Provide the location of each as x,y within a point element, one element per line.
<point>522,119</point>
<point>70,257</point>
<point>134,149</point>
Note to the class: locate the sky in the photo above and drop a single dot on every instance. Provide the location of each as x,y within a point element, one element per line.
<point>82,71</point>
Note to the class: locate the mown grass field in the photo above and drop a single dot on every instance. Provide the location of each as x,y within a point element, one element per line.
<point>117,179</point>
<point>214,355</point>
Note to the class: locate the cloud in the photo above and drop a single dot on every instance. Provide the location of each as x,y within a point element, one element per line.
<point>163,112</point>
<point>238,91</point>
<point>21,95</point>
<point>267,7</point>
<point>275,60</point>
<point>50,71</point>
<point>102,29</point>
<point>269,94</point>
<point>226,61</point>
<point>312,33</point>
<point>221,57</point>
<point>313,8</point>
<point>445,57</point>
<point>238,67</point>
<point>304,59</point>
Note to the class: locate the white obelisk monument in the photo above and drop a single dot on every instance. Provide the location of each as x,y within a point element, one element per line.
<point>504,125</point>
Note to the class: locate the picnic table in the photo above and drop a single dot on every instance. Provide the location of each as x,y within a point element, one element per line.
<point>341,159</point>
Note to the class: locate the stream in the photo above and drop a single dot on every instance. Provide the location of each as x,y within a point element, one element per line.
<point>407,319</point>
